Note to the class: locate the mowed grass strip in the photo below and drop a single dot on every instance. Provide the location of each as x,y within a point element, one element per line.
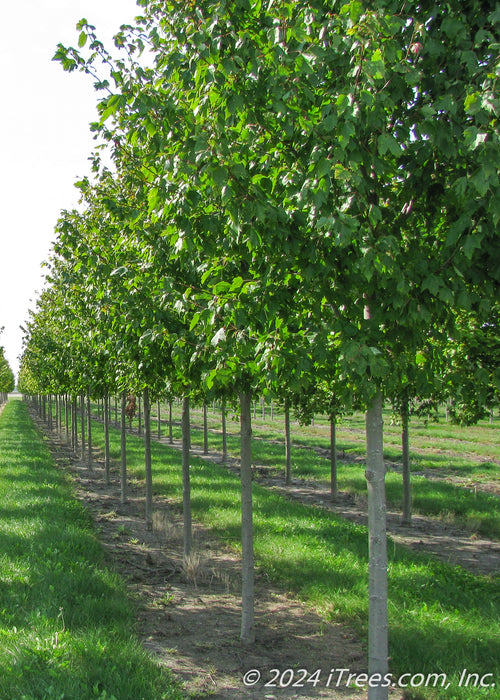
<point>442,618</point>
<point>66,623</point>
<point>466,507</point>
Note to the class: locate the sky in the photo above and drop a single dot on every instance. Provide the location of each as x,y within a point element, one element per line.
<point>45,115</point>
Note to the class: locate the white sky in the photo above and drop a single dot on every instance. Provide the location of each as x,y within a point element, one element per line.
<point>44,122</point>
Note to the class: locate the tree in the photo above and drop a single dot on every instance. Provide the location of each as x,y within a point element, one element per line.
<point>340,157</point>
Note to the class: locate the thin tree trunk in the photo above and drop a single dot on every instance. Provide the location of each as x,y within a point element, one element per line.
<point>377,616</point>
<point>205,429</point>
<point>139,416</point>
<point>170,429</point>
<point>106,412</point>
<point>247,566</point>
<point>123,451</point>
<point>158,418</point>
<point>50,411</point>
<point>89,431</point>
<point>288,447</point>
<point>186,485</point>
<point>74,424</point>
<point>405,444</point>
<point>147,460</point>
<point>333,459</point>
<point>224,432</point>
<point>82,423</point>
<point>66,416</point>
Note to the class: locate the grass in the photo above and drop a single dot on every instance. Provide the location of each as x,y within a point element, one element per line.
<point>471,453</point>
<point>442,618</point>
<point>66,623</point>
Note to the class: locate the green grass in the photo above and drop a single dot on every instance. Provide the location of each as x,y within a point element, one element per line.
<point>442,618</point>
<point>66,623</point>
<point>471,453</point>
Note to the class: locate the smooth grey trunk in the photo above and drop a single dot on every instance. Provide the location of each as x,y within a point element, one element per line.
<point>50,411</point>
<point>186,485</point>
<point>74,424</point>
<point>247,565</point>
<point>106,411</point>
<point>60,407</point>
<point>333,459</point>
<point>158,419</point>
<point>170,430</point>
<point>123,449</point>
<point>147,460</point>
<point>56,413</point>
<point>89,432</point>
<point>288,447</point>
<point>405,445</point>
<point>205,429</point>
<point>66,414</point>
<point>224,432</point>
<point>139,416</point>
<point>377,616</point>
<point>82,423</point>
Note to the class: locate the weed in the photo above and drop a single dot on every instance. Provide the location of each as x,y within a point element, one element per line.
<point>192,568</point>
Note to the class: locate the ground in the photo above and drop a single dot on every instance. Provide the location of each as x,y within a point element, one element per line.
<point>189,613</point>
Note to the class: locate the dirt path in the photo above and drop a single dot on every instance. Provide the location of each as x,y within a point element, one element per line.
<point>189,614</point>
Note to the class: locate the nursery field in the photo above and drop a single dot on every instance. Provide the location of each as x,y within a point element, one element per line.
<point>312,569</point>
<point>455,470</point>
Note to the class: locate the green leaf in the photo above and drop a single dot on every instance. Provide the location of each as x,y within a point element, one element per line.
<point>432,283</point>
<point>218,337</point>
<point>82,39</point>
<point>387,143</point>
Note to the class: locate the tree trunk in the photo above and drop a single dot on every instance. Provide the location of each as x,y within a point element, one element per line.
<point>224,433</point>
<point>82,423</point>
<point>405,445</point>
<point>147,460</point>
<point>333,459</point>
<point>186,485</point>
<point>106,409</point>
<point>378,616</point>
<point>288,447</point>
<point>247,566</point>
<point>158,419</point>
<point>66,416</point>
<point>170,430</point>
<point>89,432</point>
<point>205,429</point>
<point>123,450</point>
<point>74,424</point>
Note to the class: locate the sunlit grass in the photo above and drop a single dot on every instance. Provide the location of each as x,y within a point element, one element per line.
<point>65,619</point>
<point>452,450</point>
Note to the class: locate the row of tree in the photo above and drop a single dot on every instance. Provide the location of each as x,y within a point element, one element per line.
<point>7,379</point>
<point>299,198</point>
